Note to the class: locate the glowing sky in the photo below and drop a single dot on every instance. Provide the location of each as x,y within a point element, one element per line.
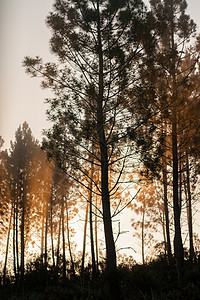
<point>23,32</point>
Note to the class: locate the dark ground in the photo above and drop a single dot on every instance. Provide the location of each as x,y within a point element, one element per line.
<point>154,281</point>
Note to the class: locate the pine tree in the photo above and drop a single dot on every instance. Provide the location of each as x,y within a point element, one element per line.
<point>97,43</point>
<point>22,163</point>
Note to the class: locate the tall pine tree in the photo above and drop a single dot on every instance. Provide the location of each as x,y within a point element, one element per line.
<point>99,45</point>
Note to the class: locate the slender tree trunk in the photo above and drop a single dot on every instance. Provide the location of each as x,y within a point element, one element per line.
<point>180,183</point>
<point>189,210</point>
<point>178,245</point>
<point>84,237</point>
<point>22,233</point>
<point>110,244</point>
<point>7,246</point>
<point>58,245</point>
<point>46,234</point>
<point>14,232</point>
<point>42,230</point>
<point>63,239</point>
<point>96,236</point>
<point>91,223</point>
<point>52,245</point>
<point>17,235</point>
<point>68,240</point>
<point>169,250</point>
<point>143,216</point>
<point>22,246</point>
<point>164,233</point>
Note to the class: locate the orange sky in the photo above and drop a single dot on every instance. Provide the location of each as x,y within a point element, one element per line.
<point>23,32</point>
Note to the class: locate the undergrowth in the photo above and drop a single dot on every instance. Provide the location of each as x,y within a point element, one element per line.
<point>156,280</point>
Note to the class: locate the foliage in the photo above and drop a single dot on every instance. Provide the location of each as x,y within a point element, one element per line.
<point>97,44</point>
<point>155,280</point>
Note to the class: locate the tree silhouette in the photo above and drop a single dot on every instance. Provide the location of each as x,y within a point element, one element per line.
<point>97,43</point>
<point>161,133</point>
<point>23,164</point>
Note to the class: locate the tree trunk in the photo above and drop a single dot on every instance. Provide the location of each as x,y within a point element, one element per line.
<point>22,246</point>
<point>84,237</point>
<point>68,239</point>
<point>96,237</point>
<point>164,234</point>
<point>180,183</point>
<point>45,239</point>
<point>17,233</point>
<point>110,245</point>
<point>14,232</point>
<point>52,245</point>
<point>143,215</point>
<point>169,250</point>
<point>63,239</point>
<point>22,233</point>
<point>42,231</point>
<point>178,245</point>
<point>189,210</point>
<point>58,244</point>
<point>91,223</point>
<point>7,246</point>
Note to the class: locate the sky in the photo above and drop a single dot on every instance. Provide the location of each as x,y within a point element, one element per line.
<point>23,32</point>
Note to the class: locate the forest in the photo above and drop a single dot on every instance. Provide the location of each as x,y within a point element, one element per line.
<point>124,139</point>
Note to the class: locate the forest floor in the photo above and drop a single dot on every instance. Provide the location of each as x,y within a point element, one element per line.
<point>153,281</point>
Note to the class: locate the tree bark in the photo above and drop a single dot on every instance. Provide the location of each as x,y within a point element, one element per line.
<point>68,240</point>
<point>96,237</point>
<point>189,210</point>
<point>84,237</point>
<point>17,231</point>
<point>52,244</point>
<point>91,223</point>
<point>178,245</point>
<point>169,250</point>
<point>143,215</point>
<point>42,230</point>
<point>46,234</point>
<point>164,233</point>
<point>14,233</point>
<point>180,182</point>
<point>63,239</point>
<point>7,246</point>
<point>23,193</point>
<point>58,244</point>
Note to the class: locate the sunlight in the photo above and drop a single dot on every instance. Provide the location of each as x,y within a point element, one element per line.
<point>107,205</point>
